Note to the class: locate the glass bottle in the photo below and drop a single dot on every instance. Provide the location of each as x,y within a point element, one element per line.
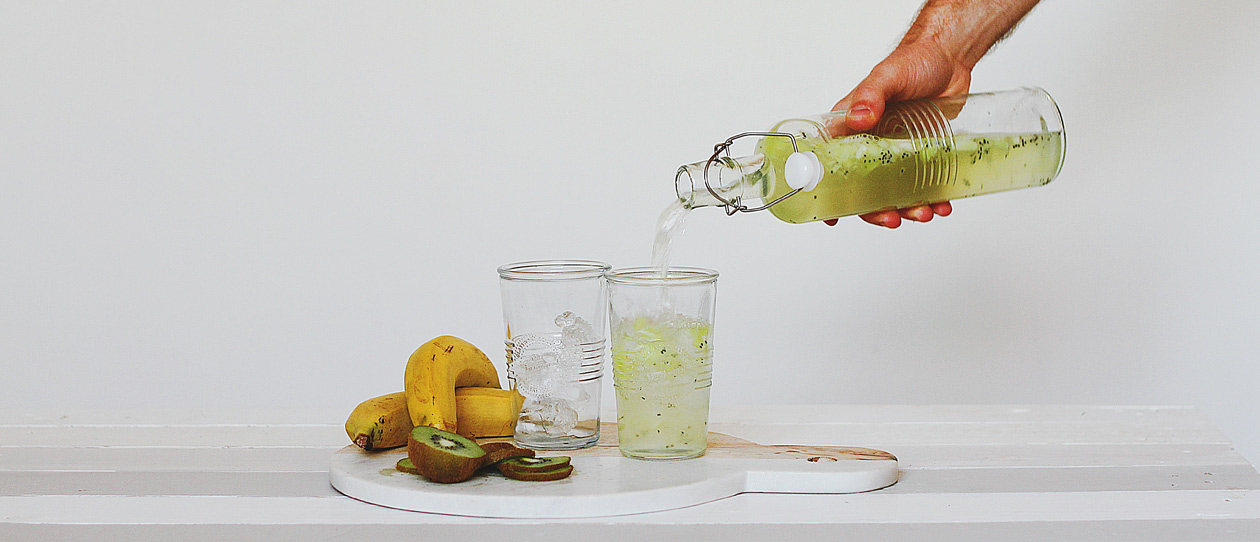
<point>920,152</point>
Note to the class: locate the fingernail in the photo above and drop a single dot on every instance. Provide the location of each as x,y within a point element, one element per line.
<point>860,111</point>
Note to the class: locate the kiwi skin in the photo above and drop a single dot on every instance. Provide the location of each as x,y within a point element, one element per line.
<point>405,465</point>
<point>500,451</point>
<point>443,466</point>
<point>546,475</point>
<point>533,464</point>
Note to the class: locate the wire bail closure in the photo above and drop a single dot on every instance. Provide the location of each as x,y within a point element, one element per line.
<point>736,206</point>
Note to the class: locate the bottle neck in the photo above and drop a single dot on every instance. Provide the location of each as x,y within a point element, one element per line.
<point>732,179</point>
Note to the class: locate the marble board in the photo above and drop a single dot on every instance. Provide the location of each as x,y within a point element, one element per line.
<point>604,483</point>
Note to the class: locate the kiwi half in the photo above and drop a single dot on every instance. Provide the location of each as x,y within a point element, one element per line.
<point>405,465</point>
<point>499,451</point>
<point>442,456</point>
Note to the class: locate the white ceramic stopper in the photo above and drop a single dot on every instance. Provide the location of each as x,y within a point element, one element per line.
<point>803,170</point>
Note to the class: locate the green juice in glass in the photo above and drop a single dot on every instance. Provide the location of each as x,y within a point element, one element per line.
<point>662,368</point>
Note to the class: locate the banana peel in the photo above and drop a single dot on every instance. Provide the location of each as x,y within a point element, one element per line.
<point>380,422</point>
<point>487,412</point>
<point>433,373</point>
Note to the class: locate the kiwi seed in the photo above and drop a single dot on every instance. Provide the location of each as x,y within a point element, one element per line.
<point>534,464</point>
<point>442,456</point>
<point>545,475</point>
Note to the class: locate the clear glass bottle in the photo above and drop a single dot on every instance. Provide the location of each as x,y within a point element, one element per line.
<point>921,151</point>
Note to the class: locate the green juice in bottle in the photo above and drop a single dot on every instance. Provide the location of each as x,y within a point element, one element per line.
<point>921,152</point>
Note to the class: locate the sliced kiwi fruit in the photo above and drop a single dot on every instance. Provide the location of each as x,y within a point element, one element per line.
<point>527,464</point>
<point>499,451</point>
<point>540,475</point>
<point>405,465</point>
<point>442,456</point>
<point>536,469</point>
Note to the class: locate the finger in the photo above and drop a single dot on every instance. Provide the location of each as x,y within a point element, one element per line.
<point>942,208</point>
<point>922,213</point>
<point>867,101</point>
<point>863,106</point>
<point>887,219</point>
<point>831,221</point>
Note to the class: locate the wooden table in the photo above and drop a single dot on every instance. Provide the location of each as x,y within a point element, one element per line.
<point>968,472</point>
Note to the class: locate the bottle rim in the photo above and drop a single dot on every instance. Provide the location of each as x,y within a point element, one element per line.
<point>651,276</point>
<point>553,270</point>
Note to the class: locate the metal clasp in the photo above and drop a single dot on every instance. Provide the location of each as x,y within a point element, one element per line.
<point>736,206</point>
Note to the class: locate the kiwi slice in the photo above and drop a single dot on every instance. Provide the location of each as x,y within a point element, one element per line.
<point>543,475</point>
<point>405,465</point>
<point>499,451</point>
<point>442,456</point>
<point>533,464</point>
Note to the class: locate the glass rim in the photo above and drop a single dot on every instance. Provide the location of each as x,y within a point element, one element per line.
<point>553,270</point>
<point>650,276</point>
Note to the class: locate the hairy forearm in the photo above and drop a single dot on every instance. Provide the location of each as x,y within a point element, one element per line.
<point>966,29</point>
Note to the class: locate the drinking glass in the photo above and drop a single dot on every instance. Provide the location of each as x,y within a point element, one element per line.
<point>554,312</point>
<point>662,351</point>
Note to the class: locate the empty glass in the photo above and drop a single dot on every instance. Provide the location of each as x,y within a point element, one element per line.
<point>554,312</point>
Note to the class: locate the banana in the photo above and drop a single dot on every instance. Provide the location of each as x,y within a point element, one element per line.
<point>487,412</point>
<point>435,370</point>
<point>379,423</point>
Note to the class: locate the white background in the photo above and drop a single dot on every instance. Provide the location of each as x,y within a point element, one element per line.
<point>271,204</point>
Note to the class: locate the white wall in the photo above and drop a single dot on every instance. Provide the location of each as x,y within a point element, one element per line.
<point>256,204</point>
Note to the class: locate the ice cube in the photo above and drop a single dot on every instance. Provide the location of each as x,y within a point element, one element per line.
<point>552,416</point>
<point>574,330</point>
<point>566,319</point>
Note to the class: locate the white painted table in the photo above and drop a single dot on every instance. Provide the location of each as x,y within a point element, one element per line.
<point>968,473</point>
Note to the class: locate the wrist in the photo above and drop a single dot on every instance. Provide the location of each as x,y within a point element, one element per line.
<point>964,30</point>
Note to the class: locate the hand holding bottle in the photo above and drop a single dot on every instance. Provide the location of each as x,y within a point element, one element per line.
<point>934,59</point>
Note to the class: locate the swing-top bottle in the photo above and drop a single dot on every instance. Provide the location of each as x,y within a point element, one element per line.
<point>920,152</point>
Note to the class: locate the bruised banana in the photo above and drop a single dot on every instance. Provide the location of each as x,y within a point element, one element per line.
<point>435,370</point>
<point>379,423</point>
<point>487,412</point>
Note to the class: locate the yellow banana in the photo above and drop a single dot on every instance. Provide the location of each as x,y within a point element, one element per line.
<point>435,370</point>
<point>379,423</point>
<point>487,412</point>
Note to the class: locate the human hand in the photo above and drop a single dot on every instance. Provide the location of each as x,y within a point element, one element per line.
<point>912,71</point>
<point>934,59</point>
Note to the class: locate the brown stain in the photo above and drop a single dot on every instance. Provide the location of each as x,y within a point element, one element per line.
<point>723,445</point>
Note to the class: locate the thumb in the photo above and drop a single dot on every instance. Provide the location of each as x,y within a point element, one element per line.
<point>866,103</point>
<point>865,109</point>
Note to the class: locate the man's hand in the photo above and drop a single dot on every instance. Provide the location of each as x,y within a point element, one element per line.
<point>934,59</point>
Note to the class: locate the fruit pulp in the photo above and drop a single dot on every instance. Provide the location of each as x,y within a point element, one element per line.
<point>865,173</point>
<point>662,370</point>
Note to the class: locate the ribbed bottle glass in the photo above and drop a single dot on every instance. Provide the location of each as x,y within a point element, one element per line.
<point>921,151</point>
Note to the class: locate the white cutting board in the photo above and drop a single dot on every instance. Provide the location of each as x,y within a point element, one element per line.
<point>604,483</point>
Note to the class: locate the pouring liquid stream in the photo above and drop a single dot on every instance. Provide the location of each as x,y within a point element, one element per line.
<point>669,226</point>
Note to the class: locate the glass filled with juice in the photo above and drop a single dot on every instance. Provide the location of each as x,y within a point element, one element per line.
<point>661,334</point>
